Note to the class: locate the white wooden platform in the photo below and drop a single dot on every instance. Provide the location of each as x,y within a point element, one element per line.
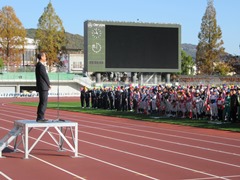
<point>61,128</point>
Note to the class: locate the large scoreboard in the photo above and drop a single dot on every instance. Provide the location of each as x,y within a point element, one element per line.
<point>131,47</point>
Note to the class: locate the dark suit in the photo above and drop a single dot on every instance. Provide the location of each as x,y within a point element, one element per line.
<point>233,106</point>
<point>43,85</point>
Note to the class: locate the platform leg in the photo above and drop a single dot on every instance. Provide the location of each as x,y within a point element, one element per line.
<point>76,140</point>
<point>26,142</point>
<point>61,140</point>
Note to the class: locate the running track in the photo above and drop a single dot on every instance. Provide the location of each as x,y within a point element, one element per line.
<point>121,149</point>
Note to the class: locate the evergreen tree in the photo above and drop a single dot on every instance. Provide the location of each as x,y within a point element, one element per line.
<point>209,48</point>
<point>187,64</point>
<point>12,37</point>
<point>50,34</point>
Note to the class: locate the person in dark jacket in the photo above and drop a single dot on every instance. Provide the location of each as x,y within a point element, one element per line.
<point>233,106</point>
<point>118,99</point>
<point>87,98</point>
<point>42,86</point>
<point>124,96</point>
<point>238,100</point>
<point>93,94</point>
<point>111,97</point>
<point>82,96</point>
<point>105,98</point>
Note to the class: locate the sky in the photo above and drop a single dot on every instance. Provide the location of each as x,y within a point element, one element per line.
<point>187,13</point>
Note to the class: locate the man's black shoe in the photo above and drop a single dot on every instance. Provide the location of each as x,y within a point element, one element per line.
<point>42,120</point>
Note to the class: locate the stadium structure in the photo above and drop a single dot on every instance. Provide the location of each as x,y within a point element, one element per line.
<point>115,53</point>
<point>144,50</point>
<point>18,81</point>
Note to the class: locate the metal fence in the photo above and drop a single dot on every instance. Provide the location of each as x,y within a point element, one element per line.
<point>205,80</point>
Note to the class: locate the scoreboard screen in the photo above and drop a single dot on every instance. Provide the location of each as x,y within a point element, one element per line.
<point>131,47</point>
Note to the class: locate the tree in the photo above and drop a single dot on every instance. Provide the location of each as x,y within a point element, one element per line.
<point>187,64</point>
<point>1,64</point>
<point>209,48</point>
<point>12,37</point>
<point>50,34</point>
<point>223,68</point>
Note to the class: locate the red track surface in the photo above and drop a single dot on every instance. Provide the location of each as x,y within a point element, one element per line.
<point>113,148</point>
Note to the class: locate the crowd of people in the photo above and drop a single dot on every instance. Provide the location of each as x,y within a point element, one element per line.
<point>195,102</point>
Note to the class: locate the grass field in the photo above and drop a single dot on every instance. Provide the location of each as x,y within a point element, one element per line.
<point>75,107</point>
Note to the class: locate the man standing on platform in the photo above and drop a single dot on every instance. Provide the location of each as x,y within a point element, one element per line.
<point>43,86</point>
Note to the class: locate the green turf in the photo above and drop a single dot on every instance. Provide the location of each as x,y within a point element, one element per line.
<point>75,107</point>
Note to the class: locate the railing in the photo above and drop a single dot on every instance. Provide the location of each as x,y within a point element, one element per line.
<point>35,94</point>
<point>31,76</point>
<point>85,81</point>
<point>213,80</point>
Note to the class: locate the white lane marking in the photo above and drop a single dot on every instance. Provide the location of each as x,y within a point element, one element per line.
<point>209,178</point>
<point>175,136</point>
<point>55,166</point>
<point>152,159</point>
<point>84,155</point>
<point>161,149</point>
<point>160,140</point>
<point>213,142</point>
<point>133,154</point>
<point>48,163</point>
<point>207,149</point>
<point>5,176</point>
<point>134,125</point>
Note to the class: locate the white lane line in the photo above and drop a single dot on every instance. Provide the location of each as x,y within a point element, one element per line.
<point>133,125</point>
<point>132,129</point>
<point>210,178</point>
<point>154,139</point>
<point>84,155</point>
<point>151,159</point>
<point>55,166</point>
<point>158,133</point>
<point>187,154</point>
<point>156,148</point>
<point>143,157</point>
<point>165,129</point>
<point>175,136</point>
<point>5,176</point>
<point>177,143</point>
<point>48,163</point>
<point>161,149</point>
<point>160,140</point>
